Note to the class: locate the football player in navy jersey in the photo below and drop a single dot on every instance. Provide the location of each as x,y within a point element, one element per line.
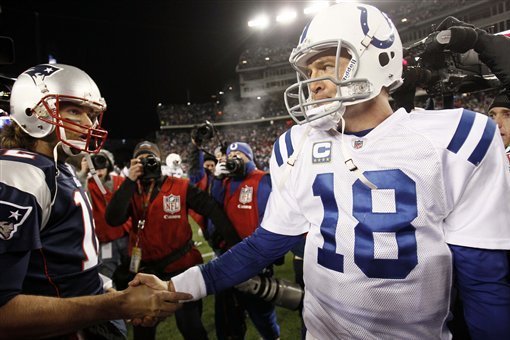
<point>398,207</point>
<point>50,286</point>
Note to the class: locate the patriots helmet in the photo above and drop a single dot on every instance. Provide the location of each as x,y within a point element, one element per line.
<point>375,50</point>
<point>35,104</point>
<point>173,160</point>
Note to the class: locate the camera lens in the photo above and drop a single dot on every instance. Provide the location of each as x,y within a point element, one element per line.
<point>100,162</point>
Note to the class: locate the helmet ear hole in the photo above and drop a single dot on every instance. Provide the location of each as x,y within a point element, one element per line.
<point>384,59</point>
<point>392,54</point>
<point>28,112</point>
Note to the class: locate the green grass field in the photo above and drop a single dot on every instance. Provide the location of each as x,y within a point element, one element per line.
<point>290,323</point>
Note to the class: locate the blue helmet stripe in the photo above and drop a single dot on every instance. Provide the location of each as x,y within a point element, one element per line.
<point>364,26</point>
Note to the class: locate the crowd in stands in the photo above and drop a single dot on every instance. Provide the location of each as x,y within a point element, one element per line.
<point>262,55</point>
<point>417,10</point>
<point>228,111</point>
<point>478,101</point>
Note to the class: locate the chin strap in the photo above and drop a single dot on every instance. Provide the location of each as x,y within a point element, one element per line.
<point>92,169</point>
<point>93,173</point>
<point>57,171</point>
<point>349,162</point>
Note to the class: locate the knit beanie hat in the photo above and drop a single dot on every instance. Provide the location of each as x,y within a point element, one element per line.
<point>240,146</point>
<point>146,147</point>
<point>501,100</point>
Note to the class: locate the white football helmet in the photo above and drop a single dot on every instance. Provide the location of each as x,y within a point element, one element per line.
<point>373,43</point>
<point>173,166</point>
<point>173,160</point>
<point>36,96</point>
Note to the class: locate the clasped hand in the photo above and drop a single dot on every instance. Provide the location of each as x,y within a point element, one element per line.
<point>150,300</point>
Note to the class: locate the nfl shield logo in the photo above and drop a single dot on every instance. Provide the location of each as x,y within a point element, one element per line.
<point>246,195</point>
<point>171,204</point>
<point>358,143</point>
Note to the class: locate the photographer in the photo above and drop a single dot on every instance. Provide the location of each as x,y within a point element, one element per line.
<point>499,111</point>
<point>244,194</point>
<point>202,174</point>
<point>161,238</point>
<point>113,240</point>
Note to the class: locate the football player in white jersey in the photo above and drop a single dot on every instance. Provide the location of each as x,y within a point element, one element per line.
<point>398,208</point>
<point>50,286</point>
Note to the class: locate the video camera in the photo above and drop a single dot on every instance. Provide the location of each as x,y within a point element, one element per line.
<point>445,62</point>
<point>151,167</point>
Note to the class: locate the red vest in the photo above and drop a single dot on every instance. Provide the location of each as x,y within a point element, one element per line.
<point>166,226</point>
<point>241,206</point>
<point>199,219</point>
<point>105,233</point>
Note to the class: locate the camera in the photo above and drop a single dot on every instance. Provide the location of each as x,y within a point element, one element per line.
<point>100,162</point>
<point>439,70</point>
<point>203,133</point>
<point>151,167</point>
<point>278,291</point>
<point>235,167</point>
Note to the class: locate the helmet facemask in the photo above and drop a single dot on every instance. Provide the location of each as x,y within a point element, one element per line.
<point>92,137</point>
<point>371,41</point>
<point>326,112</point>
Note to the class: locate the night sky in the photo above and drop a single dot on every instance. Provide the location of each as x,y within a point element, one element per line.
<point>141,52</point>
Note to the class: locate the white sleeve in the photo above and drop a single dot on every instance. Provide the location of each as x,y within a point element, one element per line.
<point>282,215</point>
<point>192,282</point>
<point>480,194</point>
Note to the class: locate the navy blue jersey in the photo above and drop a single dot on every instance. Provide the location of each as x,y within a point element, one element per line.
<point>47,241</point>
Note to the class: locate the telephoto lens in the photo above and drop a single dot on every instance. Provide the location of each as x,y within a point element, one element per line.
<point>278,291</point>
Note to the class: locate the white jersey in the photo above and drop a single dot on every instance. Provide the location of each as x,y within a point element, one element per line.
<point>377,264</point>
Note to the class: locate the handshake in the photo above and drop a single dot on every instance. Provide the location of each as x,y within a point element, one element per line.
<point>149,300</point>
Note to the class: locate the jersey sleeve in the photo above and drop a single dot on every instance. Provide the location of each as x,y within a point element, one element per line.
<point>23,193</point>
<point>25,203</point>
<point>477,185</point>
<point>282,214</point>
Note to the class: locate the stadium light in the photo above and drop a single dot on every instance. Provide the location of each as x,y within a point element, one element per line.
<point>339,1</point>
<point>260,22</point>
<point>286,16</point>
<point>315,7</point>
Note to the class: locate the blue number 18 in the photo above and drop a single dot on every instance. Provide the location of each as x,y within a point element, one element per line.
<point>370,223</point>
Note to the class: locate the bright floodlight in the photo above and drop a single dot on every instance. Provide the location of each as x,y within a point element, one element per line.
<point>315,7</point>
<point>286,16</point>
<point>339,1</point>
<point>261,22</point>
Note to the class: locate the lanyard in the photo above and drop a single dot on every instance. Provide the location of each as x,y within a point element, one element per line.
<point>145,205</point>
